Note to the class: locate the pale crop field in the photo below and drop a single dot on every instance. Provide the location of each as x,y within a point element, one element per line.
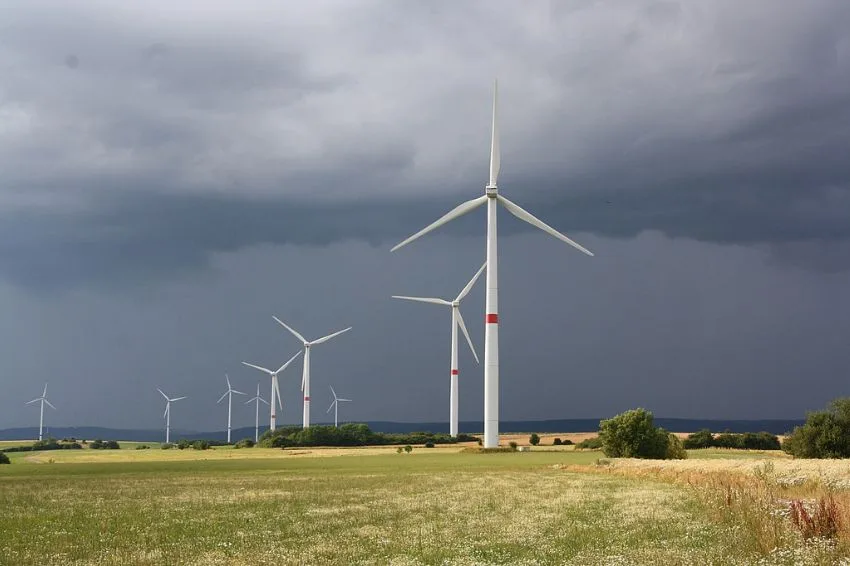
<point>366,506</point>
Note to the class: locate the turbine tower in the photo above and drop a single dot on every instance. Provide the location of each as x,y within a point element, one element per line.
<point>229,394</point>
<point>167,414</point>
<point>491,317</point>
<point>457,320</point>
<point>335,406</point>
<point>43,400</point>
<point>305,378</point>
<point>275,388</point>
<point>257,400</point>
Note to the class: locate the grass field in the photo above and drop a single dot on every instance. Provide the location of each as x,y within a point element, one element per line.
<point>366,506</point>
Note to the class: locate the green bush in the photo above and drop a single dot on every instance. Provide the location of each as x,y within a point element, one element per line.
<point>350,434</point>
<point>592,443</point>
<point>201,445</point>
<point>4,459</point>
<point>142,447</point>
<point>556,442</point>
<point>700,439</point>
<point>166,446</point>
<point>183,444</point>
<point>429,445</point>
<point>99,444</point>
<point>632,434</point>
<point>408,448</point>
<point>534,440</point>
<point>244,443</point>
<point>675,448</point>
<point>513,445</point>
<point>825,434</point>
<point>567,442</point>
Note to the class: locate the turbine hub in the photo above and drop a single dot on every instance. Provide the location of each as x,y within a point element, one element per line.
<point>306,344</point>
<point>491,191</point>
<point>455,303</point>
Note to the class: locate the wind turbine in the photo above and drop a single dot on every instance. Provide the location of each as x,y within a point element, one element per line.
<point>43,400</point>
<point>457,320</point>
<point>167,414</point>
<point>491,329</point>
<point>257,399</point>
<point>335,406</point>
<point>275,387</point>
<point>305,378</point>
<point>229,394</point>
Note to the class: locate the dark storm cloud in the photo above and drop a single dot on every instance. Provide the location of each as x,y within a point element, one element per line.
<point>174,135</point>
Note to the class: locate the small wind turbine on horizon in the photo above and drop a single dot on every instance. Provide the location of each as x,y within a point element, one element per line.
<point>257,400</point>
<point>492,197</point>
<point>335,406</point>
<point>229,394</point>
<point>305,378</point>
<point>457,320</point>
<point>167,414</point>
<point>43,400</point>
<point>275,388</point>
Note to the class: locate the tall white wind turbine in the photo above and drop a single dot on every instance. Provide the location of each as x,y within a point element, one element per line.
<point>229,394</point>
<point>167,414</point>
<point>43,400</point>
<point>305,378</point>
<point>335,406</point>
<point>275,388</point>
<point>491,329</point>
<point>257,400</point>
<point>457,320</point>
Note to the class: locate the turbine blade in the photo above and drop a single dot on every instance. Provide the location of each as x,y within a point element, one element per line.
<point>45,391</point>
<point>178,398</point>
<point>303,340</point>
<point>465,333</point>
<point>33,401</point>
<point>227,377</point>
<point>331,407</point>
<point>471,283</point>
<point>459,210</point>
<point>341,399</point>
<point>292,359</point>
<point>424,300</point>
<point>220,399</point>
<point>50,404</point>
<point>332,391</point>
<point>264,401</point>
<point>495,153</point>
<point>277,391</point>
<point>517,211</point>
<point>237,392</point>
<point>261,368</point>
<point>329,336</point>
<point>161,393</point>
<point>165,414</point>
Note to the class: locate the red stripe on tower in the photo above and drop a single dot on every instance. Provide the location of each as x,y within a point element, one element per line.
<point>306,398</point>
<point>492,319</point>
<point>454,372</point>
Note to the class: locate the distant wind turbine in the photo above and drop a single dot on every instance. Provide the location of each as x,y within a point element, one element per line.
<point>229,394</point>
<point>491,330</point>
<point>275,387</point>
<point>305,378</point>
<point>335,406</point>
<point>457,320</point>
<point>167,414</point>
<point>257,400</point>
<point>43,400</point>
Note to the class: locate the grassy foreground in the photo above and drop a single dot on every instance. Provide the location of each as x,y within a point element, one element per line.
<point>423,508</point>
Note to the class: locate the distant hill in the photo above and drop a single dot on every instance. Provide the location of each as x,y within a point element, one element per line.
<point>780,426</point>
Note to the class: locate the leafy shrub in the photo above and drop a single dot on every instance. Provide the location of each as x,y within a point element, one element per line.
<point>244,443</point>
<point>825,434</point>
<point>675,448</point>
<point>408,448</point>
<point>142,447</point>
<point>4,459</point>
<point>556,442</point>
<point>592,443</point>
<point>700,439</point>
<point>429,445</point>
<point>350,434</point>
<point>632,434</point>
<point>513,445</point>
<point>166,446</point>
<point>182,444</point>
<point>534,439</point>
<point>567,442</point>
<point>99,444</point>
<point>399,450</point>
<point>201,445</point>
<point>52,444</point>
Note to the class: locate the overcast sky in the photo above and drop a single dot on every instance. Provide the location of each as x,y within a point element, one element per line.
<point>173,174</point>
